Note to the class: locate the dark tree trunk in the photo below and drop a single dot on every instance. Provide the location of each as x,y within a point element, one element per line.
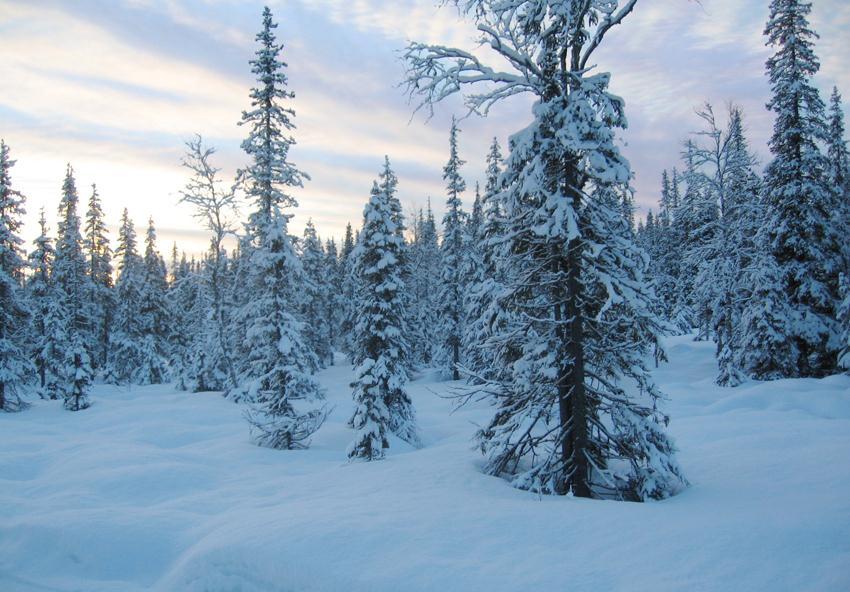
<point>572,396</point>
<point>574,376</point>
<point>456,357</point>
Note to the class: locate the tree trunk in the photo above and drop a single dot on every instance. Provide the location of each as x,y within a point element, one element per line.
<point>574,376</point>
<point>456,356</point>
<point>572,396</point>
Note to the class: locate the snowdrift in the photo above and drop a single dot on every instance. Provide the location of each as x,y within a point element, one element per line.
<point>156,490</point>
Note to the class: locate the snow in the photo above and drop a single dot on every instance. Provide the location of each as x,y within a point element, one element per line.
<point>155,490</point>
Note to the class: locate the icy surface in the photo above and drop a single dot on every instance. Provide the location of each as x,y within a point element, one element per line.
<point>156,490</point>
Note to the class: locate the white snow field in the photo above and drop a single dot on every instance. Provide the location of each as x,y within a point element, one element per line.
<point>156,490</point>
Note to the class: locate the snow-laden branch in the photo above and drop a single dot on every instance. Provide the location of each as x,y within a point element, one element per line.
<point>530,35</point>
<point>611,20</point>
<point>436,72</point>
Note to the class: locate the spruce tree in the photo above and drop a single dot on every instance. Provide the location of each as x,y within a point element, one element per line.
<point>126,338</point>
<point>694,226</point>
<point>14,312</point>
<point>347,280</point>
<point>581,311</point>
<point>424,274</point>
<point>471,271</point>
<point>799,234</point>
<point>71,287</point>
<point>736,251</point>
<point>154,321</point>
<point>838,171</point>
<point>99,267</point>
<point>315,296</point>
<point>277,361</point>
<point>193,343</point>
<point>487,281</point>
<point>381,404</point>
<point>450,313</point>
<point>43,352</point>
<point>238,298</point>
<point>844,320</point>
<point>666,253</point>
<point>334,301</point>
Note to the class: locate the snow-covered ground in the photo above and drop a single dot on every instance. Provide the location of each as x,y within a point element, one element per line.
<point>156,490</point>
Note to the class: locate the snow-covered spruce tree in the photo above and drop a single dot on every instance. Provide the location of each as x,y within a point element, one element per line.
<point>14,312</point>
<point>707,155</point>
<point>839,180</point>
<point>278,363</point>
<point>237,297</point>
<point>665,253</point>
<point>424,274</point>
<point>214,205</point>
<point>568,420</point>
<point>844,320</point>
<point>334,301</point>
<point>154,322</point>
<point>838,169</point>
<point>101,301</point>
<point>694,226</point>
<point>486,283</point>
<point>125,340</point>
<point>735,248</point>
<point>347,280</point>
<point>182,331</point>
<point>766,318</point>
<point>381,403</point>
<point>800,236</point>
<point>70,288</point>
<point>189,304</point>
<point>44,314</point>
<point>473,233</point>
<point>315,295</point>
<point>471,268</point>
<point>450,312</point>
<point>627,207</point>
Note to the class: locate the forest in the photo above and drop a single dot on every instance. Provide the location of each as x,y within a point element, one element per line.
<point>548,310</point>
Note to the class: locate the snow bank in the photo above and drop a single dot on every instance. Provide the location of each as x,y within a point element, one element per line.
<point>156,490</point>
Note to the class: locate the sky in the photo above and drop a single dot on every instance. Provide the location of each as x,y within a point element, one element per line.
<point>116,88</point>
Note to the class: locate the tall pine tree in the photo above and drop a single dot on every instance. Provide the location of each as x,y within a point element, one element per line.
<point>314,297</point>
<point>278,362</point>
<point>14,313</point>
<point>71,287</point>
<point>381,356</point>
<point>798,233</point>
<point>125,355</point>
<point>838,170</point>
<point>45,314</point>
<point>99,258</point>
<point>565,421</point>
<point>486,282</point>
<point>154,322</point>
<point>450,314</point>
